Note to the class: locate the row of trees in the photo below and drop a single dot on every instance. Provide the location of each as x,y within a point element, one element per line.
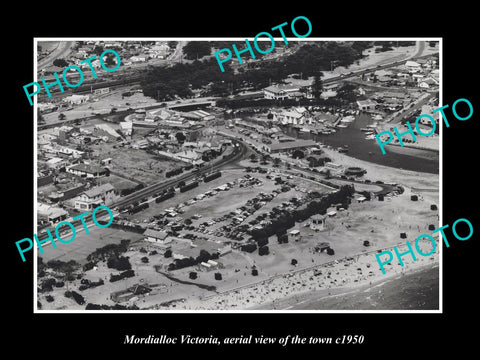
<point>122,275</point>
<point>308,60</point>
<point>204,256</point>
<point>287,220</point>
<point>119,263</point>
<point>107,251</point>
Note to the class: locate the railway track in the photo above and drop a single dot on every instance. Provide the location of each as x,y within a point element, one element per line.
<point>241,149</point>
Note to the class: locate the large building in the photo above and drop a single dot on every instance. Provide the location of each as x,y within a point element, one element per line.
<point>91,198</point>
<point>290,145</point>
<point>50,213</point>
<point>88,171</point>
<point>281,92</point>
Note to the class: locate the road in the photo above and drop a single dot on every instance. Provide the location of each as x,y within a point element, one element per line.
<point>370,69</point>
<point>61,51</point>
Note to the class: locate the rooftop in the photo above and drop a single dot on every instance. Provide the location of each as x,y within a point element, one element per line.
<point>99,190</point>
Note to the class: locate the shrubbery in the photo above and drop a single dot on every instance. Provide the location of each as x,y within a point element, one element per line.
<point>108,251</point>
<point>91,306</point>
<point>119,263</point>
<point>125,274</point>
<point>78,298</point>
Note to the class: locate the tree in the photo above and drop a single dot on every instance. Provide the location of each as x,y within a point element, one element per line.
<point>144,259</point>
<point>60,62</point>
<point>330,251</point>
<point>180,137</point>
<point>192,275</point>
<point>172,44</point>
<point>298,154</point>
<point>317,86</point>
<point>61,116</point>
<point>98,50</point>
<point>276,162</point>
<point>263,250</point>
<point>328,174</point>
<point>196,49</point>
<point>218,276</point>
<point>294,262</point>
<point>109,60</point>
<point>253,158</point>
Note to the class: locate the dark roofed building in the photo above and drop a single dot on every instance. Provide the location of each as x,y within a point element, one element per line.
<point>291,145</point>
<point>89,171</point>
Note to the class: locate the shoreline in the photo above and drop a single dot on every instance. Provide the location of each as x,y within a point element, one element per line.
<point>338,277</point>
<point>332,293</point>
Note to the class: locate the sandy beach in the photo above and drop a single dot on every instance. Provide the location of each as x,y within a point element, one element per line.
<point>331,279</point>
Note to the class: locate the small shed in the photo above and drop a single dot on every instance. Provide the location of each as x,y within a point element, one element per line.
<point>294,233</point>
<point>332,213</point>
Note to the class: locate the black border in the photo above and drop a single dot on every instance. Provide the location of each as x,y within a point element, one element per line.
<point>422,333</point>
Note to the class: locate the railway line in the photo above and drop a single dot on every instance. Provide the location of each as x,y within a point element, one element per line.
<point>238,153</point>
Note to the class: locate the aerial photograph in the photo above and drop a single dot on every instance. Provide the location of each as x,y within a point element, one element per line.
<point>260,188</point>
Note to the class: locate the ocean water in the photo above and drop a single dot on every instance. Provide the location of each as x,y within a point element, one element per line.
<point>415,291</point>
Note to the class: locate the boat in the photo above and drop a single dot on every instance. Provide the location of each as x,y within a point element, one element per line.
<point>348,118</point>
<point>342,126</point>
<point>365,129</point>
<point>370,137</point>
<point>314,132</point>
<point>305,130</point>
<point>342,150</point>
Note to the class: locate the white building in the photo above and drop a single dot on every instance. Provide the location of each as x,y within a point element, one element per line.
<point>156,236</point>
<point>318,222</point>
<point>50,213</point>
<point>76,99</point>
<point>100,195</point>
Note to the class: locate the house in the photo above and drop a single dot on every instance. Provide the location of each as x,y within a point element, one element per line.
<point>412,66</point>
<point>318,222</point>
<point>56,163</point>
<point>199,115</point>
<point>156,236</point>
<point>101,91</point>
<point>281,92</point>
<point>51,213</point>
<point>290,145</point>
<point>106,130</point>
<point>91,198</point>
<point>126,127</point>
<point>366,105</point>
<point>88,171</point>
<point>333,167</point>
<point>294,233</point>
<point>428,83</point>
<point>76,99</point>
<point>66,194</point>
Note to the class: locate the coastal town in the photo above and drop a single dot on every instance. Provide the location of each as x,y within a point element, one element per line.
<point>261,188</point>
